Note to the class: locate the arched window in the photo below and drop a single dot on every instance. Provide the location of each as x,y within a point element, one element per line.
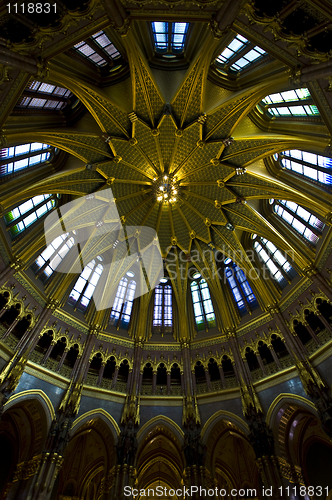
<point>162,311</point>
<point>241,290</point>
<point>203,307</point>
<point>98,49</point>
<point>54,253</point>
<point>239,54</point>
<point>123,302</point>
<point>302,221</point>
<point>276,262</point>
<point>25,155</point>
<point>296,102</point>
<point>43,96</point>
<point>315,167</point>
<point>84,287</point>
<point>169,37</point>
<point>21,217</point>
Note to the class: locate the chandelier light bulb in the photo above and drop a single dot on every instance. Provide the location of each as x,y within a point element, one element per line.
<point>165,177</point>
<point>161,188</point>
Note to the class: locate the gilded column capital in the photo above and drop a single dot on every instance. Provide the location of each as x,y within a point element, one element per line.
<point>230,332</point>
<point>53,304</point>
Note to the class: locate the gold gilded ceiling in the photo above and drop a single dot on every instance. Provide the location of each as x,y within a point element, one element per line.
<point>160,124</point>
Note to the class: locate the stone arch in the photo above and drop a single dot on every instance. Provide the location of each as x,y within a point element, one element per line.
<point>89,456</point>
<point>223,415</point>
<point>38,395</point>
<point>295,423</point>
<point>25,424</point>
<point>160,419</point>
<point>98,413</point>
<point>160,458</point>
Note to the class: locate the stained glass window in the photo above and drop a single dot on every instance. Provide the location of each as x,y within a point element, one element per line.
<point>241,290</point>
<point>203,307</point>
<point>21,217</point>
<point>162,311</point>
<point>302,221</point>
<point>84,287</point>
<point>98,49</point>
<point>123,302</point>
<point>315,167</point>
<point>16,158</point>
<point>239,54</point>
<point>296,102</point>
<point>275,261</point>
<point>169,37</point>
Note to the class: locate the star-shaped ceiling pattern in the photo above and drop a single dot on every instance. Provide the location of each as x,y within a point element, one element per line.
<point>143,138</point>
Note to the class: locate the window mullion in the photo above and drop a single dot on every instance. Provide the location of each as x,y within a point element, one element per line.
<point>85,287</point>
<point>169,37</point>
<point>241,291</point>
<point>202,303</point>
<point>238,55</point>
<point>29,212</point>
<point>286,104</point>
<point>13,159</point>
<point>302,221</point>
<point>44,95</point>
<point>94,46</point>
<point>305,163</point>
<point>276,263</point>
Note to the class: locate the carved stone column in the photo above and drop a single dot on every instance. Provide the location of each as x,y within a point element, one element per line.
<point>222,376</point>
<point>275,357</point>
<point>168,374</point>
<point>154,381</point>
<point>115,376</point>
<point>101,372</point>
<point>208,380</point>
<point>260,362</point>
<point>48,352</point>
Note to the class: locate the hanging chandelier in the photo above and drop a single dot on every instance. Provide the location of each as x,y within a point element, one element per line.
<point>166,188</point>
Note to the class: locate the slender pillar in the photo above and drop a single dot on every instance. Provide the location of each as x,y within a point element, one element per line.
<point>222,376</point>
<point>48,352</point>
<point>115,376</point>
<point>101,372</point>
<point>10,329</point>
<point>312,333</point>
<point>154,382</point>
<point>260,362</point>
<point>327,325</point>
<point>275,357</point>
<point>208,380</point>
<point>63,357</point>
<point>168,382</point>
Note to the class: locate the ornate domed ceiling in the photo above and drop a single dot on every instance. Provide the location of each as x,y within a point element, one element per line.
<point>185,151</point>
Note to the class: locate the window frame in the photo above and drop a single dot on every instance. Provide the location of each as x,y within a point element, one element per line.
<point>163,317</point>
<point>317,233</point>
<point>127,298</point>
<point>16,157</point>
<point>39,270</point>
<point>169,51</point>
<point>281,156</point>
<point>13,225</point>
<point>206,323</point>
<point>239,54</point>
<point>286,277</point>
<point>248,305</point>
<point>267,104</point>
<point>77,303</point>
